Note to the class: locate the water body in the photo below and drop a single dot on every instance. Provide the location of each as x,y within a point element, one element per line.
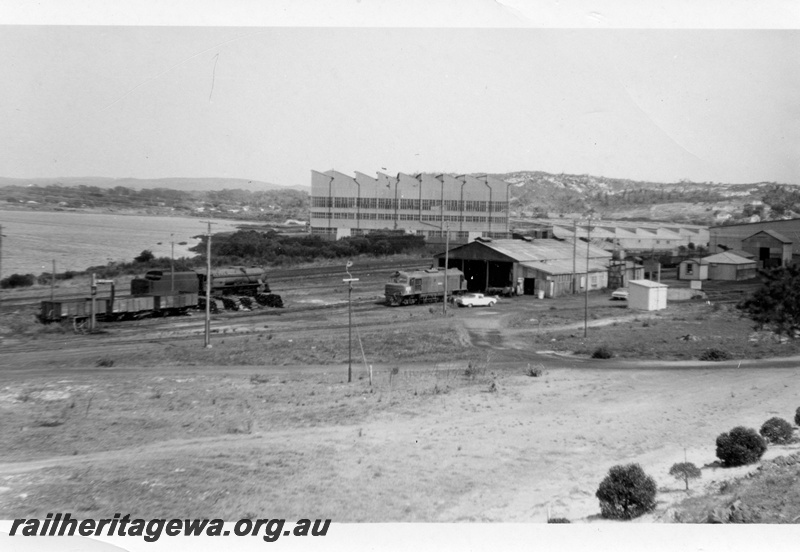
<point>79,240</point>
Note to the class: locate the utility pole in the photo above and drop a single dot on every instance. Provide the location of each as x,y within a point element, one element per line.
<point>446,261</point>
<point>1,251</point>
<point>349,281</point>
<point>574,252</point>
<point>92,311</point>
<point>172,263</point>
<point>53,283</point>
<point>207,341</point>
<point>586,296</point>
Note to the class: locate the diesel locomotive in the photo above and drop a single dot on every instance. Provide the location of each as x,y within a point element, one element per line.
<point>423,286</point>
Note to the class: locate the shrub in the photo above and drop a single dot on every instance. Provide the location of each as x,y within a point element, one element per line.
<point>105,362</point>
<point>558,520</point>
<point>626,492</point>
<point>797,416</point>
<point>776,430</point>
<point>741,446</point>
<point>144,257</point>
<point>17,280</point>
<point>535,371</point>
<point>684,471</point>
<point>602,352</point>
<point>714,355</point>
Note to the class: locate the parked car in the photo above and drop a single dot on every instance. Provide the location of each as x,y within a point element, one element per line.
<point>475,300</point>
<point>620,294</point>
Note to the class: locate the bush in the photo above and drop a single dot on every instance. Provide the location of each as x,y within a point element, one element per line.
<point>741,446</point>
<point>797,416</point>
<point>776,430</point>
<point>626,492</point>
<point>535,371</point>
<point>602,352</point>
<point>17,280</point>
<point>558,520</point>
<point>714,355</point>
<point>144,257</point>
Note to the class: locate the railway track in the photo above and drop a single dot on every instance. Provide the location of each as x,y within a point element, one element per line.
<point>293,275</point>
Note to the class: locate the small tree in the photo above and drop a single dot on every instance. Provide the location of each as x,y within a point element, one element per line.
<point>144,257</point>
<point>797,416</point>
<point>741,446</point>
<point>777,430</point>
<point>776,304</point>
<point>684,471</point>
<point>626,492</point>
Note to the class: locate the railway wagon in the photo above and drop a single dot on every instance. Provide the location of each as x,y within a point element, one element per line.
<point>423,286</point>
<point>117,308</point>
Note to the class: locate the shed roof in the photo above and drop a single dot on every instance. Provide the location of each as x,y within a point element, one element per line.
<point>646,283</point>
<point>534,250</point>
<point>777,235</point>
<point>564,266</point>
<point>727,258</point>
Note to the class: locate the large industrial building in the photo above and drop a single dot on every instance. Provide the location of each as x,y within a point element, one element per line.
<point>426,205</point>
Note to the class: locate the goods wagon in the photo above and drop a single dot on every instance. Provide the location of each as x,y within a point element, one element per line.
<point>117,308</point>
<point>423,286</point>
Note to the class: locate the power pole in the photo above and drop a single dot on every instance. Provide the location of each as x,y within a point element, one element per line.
<point>172,263</point>
<point>574,252</point>
<point>1,251</point>
<point>349,281</point>
<point>207,341</point>
<point>53,283</point>
<point>446,261</point>
<point>92,311</point>
<point>586,296</point>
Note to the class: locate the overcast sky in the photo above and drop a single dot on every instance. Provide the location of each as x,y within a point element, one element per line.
<point>273,103</point>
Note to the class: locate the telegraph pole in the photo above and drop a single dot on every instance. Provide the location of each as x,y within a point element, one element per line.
<point>1,251</point>
<point>207,340</point>
<point>574,251</point>
<point>53,283</point>
<point>349,281</point>
<point>172,263</point>
<point>586,296</point>
<point>446,261</point>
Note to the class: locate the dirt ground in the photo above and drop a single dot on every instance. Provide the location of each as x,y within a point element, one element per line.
<point>452,427</point>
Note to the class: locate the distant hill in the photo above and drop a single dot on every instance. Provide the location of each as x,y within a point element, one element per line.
<point>182,184</point>
<point>540,194</point>
<point>532,194</point>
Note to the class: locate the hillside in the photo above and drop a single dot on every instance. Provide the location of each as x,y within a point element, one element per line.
<point>183,184</point>
<point>533,194</point>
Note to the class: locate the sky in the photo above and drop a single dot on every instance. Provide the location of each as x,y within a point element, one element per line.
<point>503,89</point>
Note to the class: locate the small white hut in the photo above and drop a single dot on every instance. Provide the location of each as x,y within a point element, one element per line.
<point>647,295</point>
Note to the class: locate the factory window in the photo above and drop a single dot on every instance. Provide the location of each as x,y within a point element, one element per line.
<point>386,203</point>
<point>451,205</point>
<point>368,202</point>
<point>344,202</point>
<point>321,202</point>
<point>409,204</point>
